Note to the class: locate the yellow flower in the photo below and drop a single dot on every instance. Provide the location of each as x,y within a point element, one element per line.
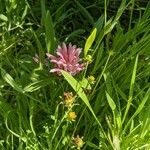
<point>78,142</point>
<point>88,58</point>
<point>68,99</point>
<point>71,116</point>
<point>91,79</point>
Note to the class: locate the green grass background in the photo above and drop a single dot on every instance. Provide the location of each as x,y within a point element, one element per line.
<point>114,114</point>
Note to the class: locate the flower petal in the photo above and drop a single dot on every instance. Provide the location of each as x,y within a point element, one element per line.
<point>67,59</point>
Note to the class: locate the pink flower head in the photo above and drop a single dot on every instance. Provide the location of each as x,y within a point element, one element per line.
<point>67,59</point>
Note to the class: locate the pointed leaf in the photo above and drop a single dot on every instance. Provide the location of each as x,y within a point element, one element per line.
<point>77,87</point>
<point>36,85</point>
<point>110,102</point>
<point>89,41</point>
<point>50,34</point>
<point>11,81</point>
<point>3,17</point>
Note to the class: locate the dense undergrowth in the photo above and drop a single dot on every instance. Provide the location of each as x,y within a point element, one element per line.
<point>105,106</point>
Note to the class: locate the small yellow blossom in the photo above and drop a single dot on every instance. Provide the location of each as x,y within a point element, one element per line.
<point>91,79</point>
<point>68,99</point>
<point>111,52</point>
<point>78,142</point>
<point>88,58</point>
<point>71,116</point>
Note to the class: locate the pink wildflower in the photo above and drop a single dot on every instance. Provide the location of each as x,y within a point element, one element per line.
<point>67,59</point>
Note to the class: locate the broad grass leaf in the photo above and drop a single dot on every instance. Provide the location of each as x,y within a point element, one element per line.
<point>98,58</point>
<point>146,12</point>
<point>92,145</point>
<point>140,108</point>
<point>36,85</point>
<point>100,31</point>
<point>3,17</point>
<point>15,85</point>
<point>85,84</point>
<point>75,33</point>
<point>133,77</point>
<point>24,12</point>
<point>89,41</point>
<point>110,102</point>
<point>40,49</point>
<point>110,24</point>
<point>78,88</point>
<point>11,81</point>
<point>85,13</point>
<point>99,24</point>
<point>143,101</point>
<point>131,88</point>
<point>50,33</point>
<point>49,27</point>
<point>39,45</point>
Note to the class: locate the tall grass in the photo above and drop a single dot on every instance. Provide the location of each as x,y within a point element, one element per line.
<point>111,111</point>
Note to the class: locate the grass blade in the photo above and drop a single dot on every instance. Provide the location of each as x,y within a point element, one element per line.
<point>85,13</point>
<point>89,41</point>
<point>110,102</point>
<point>11,81</point>
<point>77,87</point>
<point>138,110</point>
<point>131,89</point>
<point>36,85</point>
<point>50,33</point>
<point>49,28</point>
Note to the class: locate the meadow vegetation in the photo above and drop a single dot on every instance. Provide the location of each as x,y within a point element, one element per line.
<point>103,104</point>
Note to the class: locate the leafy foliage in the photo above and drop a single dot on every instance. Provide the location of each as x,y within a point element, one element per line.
<point>112,107</point>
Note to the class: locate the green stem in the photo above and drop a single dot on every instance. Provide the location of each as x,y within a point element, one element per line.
<point>101,75</point>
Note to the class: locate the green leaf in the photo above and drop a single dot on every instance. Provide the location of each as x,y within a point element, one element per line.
<point>92,145</point>
<point>141,106</point>
<point>89,41</point>
<point>11,81</point>
<point>3,17</point>
<point>85,13</point>
<point>36,85</point>
<point>40,49</point>
<point>75,33</point>
<point>139,109</point>
<point>50,34</point>
<point>98,57</point>
<point>85,84</point>
<point>111,24</point>
<point>133,78</point>
<point>131,88</point>
<point>49,28</point>
<point>77,87</point>
<point>24,12</point>
<point>110,102</point>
